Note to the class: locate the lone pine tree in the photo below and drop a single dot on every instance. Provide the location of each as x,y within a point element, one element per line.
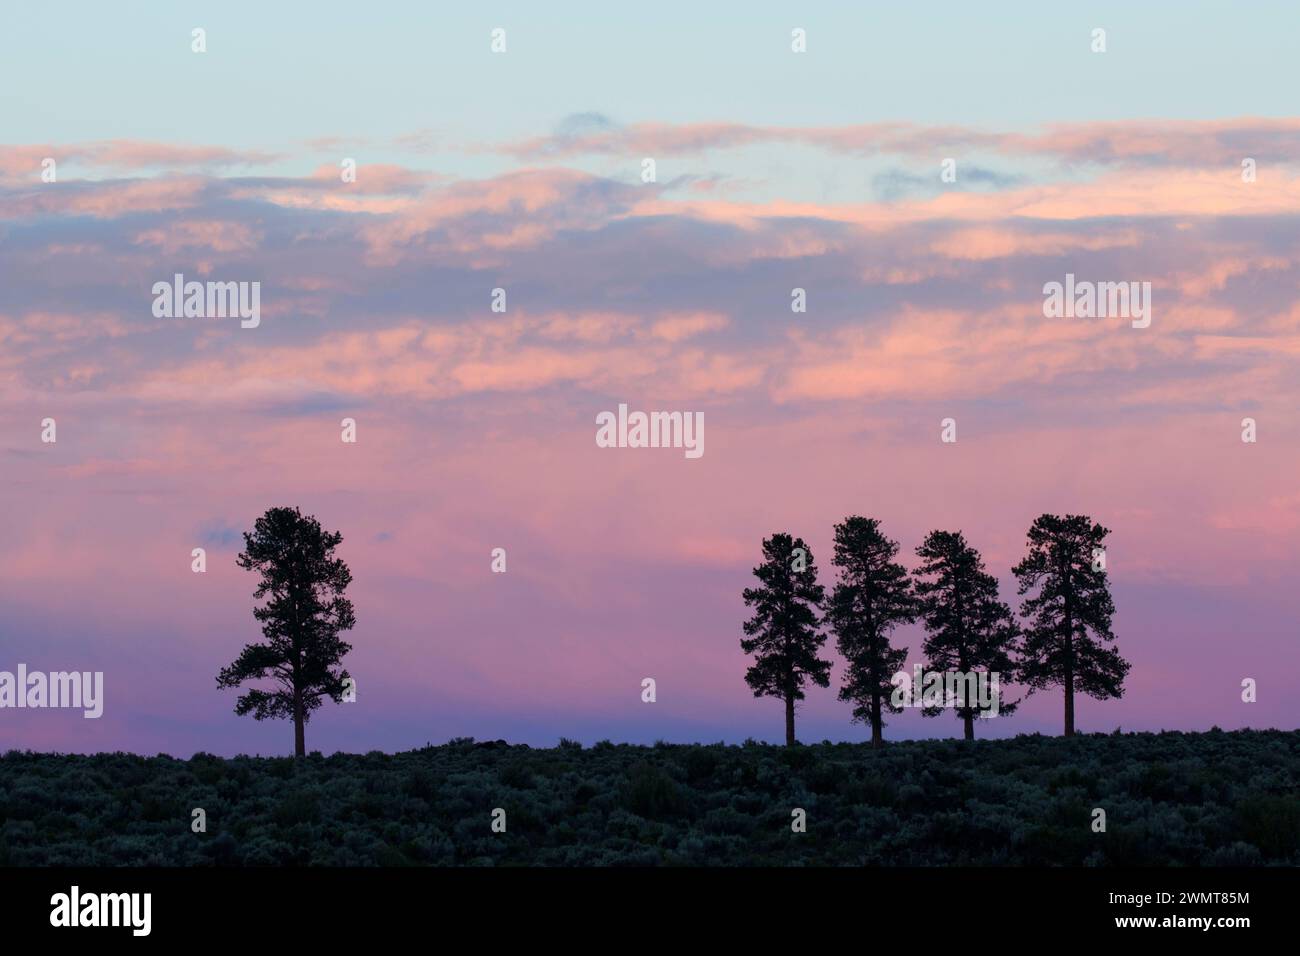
<point>872,597</point>
<point>1070,612</point>
<point>967,627</point>
<point>301,621</point>
<point>783,633</point>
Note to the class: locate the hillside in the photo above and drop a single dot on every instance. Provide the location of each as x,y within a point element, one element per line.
<point>1214,798</point>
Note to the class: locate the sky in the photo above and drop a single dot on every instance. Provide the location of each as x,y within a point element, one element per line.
<point>524,170</point>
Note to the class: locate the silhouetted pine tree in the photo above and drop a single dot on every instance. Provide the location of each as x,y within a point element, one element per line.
<point>783,633</point>
<point>968,628</point>
<point>872,597</point>
<point>301,621</point>
<point>1070,611</point>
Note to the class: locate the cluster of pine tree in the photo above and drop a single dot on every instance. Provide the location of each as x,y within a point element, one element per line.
<point>1062,642</point>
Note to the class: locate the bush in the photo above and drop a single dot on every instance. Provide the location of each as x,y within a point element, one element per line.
<point>651,793</point>
<point>1217,799</point>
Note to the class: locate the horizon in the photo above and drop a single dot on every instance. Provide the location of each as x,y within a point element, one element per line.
<point>564,742</point>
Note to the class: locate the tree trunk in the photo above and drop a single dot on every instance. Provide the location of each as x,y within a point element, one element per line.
<point>299,715</point>
<point>1069,703</point>
<point>299,736</point>
<point>968,714</point>
<point>789,721</point>
<point>877,738</point>
<point>1069,656</point>
<point>1068,682</point>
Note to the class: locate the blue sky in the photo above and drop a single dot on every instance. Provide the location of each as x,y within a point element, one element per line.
<point>277,74</point>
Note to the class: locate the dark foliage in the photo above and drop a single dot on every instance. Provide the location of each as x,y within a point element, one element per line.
<point>1170,799</point>
<point>783,634</point>
<point>301,620</point>
<point>1069,608</point>
<point>873,596</point>
<point>967,627</point>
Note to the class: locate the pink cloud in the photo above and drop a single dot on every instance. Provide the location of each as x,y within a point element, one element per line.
<point>1187,143</point>
<point>106,200</point>
<point>214,235</point>
<point>675,328</point>
<point>23,162</point>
